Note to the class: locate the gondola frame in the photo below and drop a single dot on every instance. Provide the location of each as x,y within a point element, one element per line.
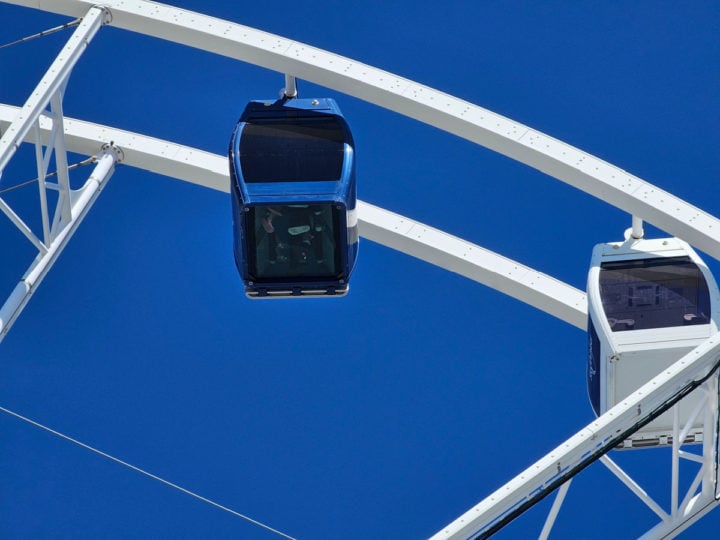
<point>611,374</point>
<point>340,193</point>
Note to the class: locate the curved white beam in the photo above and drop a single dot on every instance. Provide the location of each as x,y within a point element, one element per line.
<point>474,262</point>
<point>148,153</point>
<point>588,444</point>
<point>484,127</point>
<point>387,228</point>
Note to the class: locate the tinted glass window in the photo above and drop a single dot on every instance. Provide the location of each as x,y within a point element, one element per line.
<point>301,150</point>
<point>654,293</point>
<point>289,242</point>
<point>593,367</point>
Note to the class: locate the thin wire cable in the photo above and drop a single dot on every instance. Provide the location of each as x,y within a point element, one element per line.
<point>149,475</point>
<point>44,33</point>
<point>88,161</point>
<point>18,186</point>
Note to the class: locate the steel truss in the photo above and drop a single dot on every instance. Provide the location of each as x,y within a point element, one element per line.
<point>697,371</point>
<point>59,223</point>
<point>699,498</point>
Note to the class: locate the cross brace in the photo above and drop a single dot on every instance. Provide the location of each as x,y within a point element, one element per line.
<point>72,205</point>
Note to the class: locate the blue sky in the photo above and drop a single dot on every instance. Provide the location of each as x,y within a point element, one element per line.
<point>392,411</point>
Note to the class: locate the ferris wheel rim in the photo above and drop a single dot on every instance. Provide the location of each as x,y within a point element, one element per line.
<point>523,144</point>
<point>387,228</point>
<point>423,103</point>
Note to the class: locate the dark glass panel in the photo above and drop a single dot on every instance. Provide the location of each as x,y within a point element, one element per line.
<point>302,150</point>
<point>654,293</point>
<point>593,367</point>
<point>289,242</point>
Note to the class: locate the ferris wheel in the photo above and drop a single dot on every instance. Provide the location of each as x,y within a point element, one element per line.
<point>682,392</point>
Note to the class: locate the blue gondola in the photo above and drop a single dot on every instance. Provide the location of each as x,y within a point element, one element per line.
<point>650,302</point>
<point>292,173</point>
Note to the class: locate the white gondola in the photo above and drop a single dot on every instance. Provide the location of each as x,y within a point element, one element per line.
<point>650,302</point>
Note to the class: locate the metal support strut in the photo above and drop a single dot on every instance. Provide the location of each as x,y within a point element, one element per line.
<point>72,205</point>
<point>82,200</point>
<point>690,373</point>
<point>290,91</point>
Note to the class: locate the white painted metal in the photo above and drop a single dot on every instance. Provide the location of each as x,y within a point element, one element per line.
<point>513,139</point>
<point>484,127</point>
<point>599,435</point>
<point>62,214</point>
<point>147,153</point>
<point>41,174</point>
<point>290,89</point>
<point>670,529</point>
<point>477,263</point>
<point>554,510</point>
<point>52,82</point>
<point>81,201</point>
<point>71,206</point>
<point>22,227</point>
<point>627,360</point>
<point>634,487</point>
<point>382,226</point>
<point>700,495</point>
<point>637,228</point>
<point>49,91</point>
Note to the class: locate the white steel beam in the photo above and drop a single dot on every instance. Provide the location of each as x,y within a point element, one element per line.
<point>48,90</point>
<point>42,175</point>
<point>633,486</point>
<point>510,277</point>
<point>554,510</point>
<point>52,82</point>
<point>62,210</point>
<point>82,200</point>
<point>522,143</point>
<point>588,444</point>
<point>670,529</point>
<point>513,139</point>
<point>382,226</point>
<point>699,496</point>
<point>148,153</point>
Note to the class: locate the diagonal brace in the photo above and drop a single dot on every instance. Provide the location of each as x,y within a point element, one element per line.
<point>50,88</point>
<point>82,200</point>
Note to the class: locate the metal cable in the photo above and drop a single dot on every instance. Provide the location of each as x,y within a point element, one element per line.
<point>149,475</point>
<point>540,494</point>
<point>44,33</point>
<point>18,186</point>
<point>88,161</point>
